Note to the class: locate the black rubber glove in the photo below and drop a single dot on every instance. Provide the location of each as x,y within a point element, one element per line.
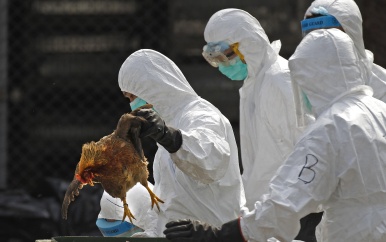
<point>189,231</point>
<point>155,128</point>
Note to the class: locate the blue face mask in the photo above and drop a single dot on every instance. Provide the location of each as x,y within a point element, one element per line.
<point>136,103</point>
<point>236,72</point>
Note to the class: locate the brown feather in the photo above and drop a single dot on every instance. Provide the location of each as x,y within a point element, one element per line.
<point>116,161</point>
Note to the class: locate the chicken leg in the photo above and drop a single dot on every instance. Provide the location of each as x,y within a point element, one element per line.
<point>127,212</point>
<point>154,198</point>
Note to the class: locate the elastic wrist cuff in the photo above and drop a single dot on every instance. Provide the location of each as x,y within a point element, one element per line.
<point>172,140</point>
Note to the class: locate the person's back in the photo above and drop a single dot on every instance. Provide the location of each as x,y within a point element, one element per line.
<point>267,119</point>
<point>350,18</point>
<point>359,199</point>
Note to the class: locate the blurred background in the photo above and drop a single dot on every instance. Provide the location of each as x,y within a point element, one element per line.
<point>59,62</point>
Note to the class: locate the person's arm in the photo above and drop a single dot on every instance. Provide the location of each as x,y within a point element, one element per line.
<point>200,149</point>
<point>205,154</point>
<point>306,180</point>
<point>155,128</point>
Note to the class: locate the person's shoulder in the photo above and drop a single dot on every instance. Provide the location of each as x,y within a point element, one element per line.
<point>341,114</point>
<point>203,110</point>
<point>279,71</point>
<point>280,65</point>
<point>279,82</point>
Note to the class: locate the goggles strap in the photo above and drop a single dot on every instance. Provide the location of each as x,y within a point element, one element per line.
<point>235,48</point>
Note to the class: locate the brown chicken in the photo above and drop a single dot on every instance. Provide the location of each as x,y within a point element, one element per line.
<point>116,161</point>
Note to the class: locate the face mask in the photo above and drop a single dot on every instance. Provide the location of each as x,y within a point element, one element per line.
<point>136,103</point>
<point>236,72</point>
<point>307,102</point>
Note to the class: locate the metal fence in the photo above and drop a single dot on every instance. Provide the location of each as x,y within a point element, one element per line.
<point>59,61</point>
<point>63,57</point>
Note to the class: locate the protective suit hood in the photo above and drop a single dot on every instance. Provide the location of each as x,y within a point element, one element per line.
<point>148,68</point>
<point>348,15</point>
<point>139,200</point>
<point>237,26</point>
<point>325,67</point>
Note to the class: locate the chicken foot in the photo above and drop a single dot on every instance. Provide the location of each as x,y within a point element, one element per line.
<point>127,212</point>
<point>154,198</point>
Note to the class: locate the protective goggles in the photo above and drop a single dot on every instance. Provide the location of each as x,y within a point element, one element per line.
<point>221,53</point>
<point>323,22</point>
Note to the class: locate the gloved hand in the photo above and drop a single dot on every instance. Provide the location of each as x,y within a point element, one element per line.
<point>155,128</point>
<point>188,230</point>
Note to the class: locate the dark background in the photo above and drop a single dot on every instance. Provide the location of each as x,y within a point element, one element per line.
<point>59,62</point>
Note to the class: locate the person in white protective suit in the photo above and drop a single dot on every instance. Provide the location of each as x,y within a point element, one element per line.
<point>196,168</point>
<point>338,164</point>
<point>239,47</point>
<point>349,19</point>
<point>109,219</point>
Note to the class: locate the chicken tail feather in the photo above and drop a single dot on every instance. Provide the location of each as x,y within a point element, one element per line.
<point>72,191</point>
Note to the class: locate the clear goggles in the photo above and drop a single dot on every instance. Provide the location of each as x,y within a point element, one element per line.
<point>323,22</point>
<point>221,53</point>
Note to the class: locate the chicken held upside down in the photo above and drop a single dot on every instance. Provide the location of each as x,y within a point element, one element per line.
<point>116,161</point>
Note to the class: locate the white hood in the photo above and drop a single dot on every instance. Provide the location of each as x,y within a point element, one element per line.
<point>237,26</point>
<point>148,68</point>
<point>348,15</point>
<point>325,67</point>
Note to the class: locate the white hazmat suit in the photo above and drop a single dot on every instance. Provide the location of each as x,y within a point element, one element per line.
<point>268,128</point>
<point>339,163</point>
<point>349,16</point>
<point>138,199</point>
<point>202,179</point>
